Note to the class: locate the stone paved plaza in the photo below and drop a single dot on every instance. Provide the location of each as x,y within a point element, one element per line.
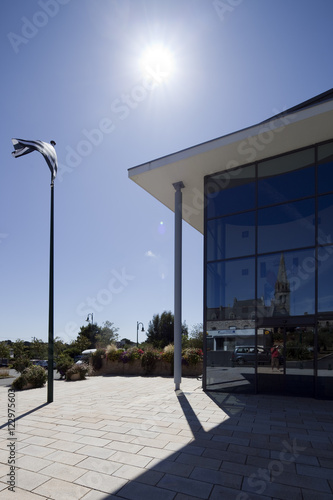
<point>136,438</point>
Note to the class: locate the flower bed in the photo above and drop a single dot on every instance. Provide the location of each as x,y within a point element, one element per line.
<point>135,361</point>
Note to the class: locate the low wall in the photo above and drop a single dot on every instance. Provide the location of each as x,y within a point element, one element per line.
<point>161,369</point>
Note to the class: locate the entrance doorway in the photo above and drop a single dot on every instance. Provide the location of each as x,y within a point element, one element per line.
<point>291,366</point>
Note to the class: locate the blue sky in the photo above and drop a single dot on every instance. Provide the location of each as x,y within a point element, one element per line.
<point>72,73</point>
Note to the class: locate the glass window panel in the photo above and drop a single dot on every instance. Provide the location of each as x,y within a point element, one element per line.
<point>325,177</point>
<point>325,279</point>
<point>325,351</point>
<point>231,236</point>
<point>286,163</point>
<point>286,226</point>
<point>231,200</point>
<point>325,218</point>
<point>230,179</point>
<point>231,289</point>
<point>286,289</point>
<point>325,153</point>
<point>289,186</point>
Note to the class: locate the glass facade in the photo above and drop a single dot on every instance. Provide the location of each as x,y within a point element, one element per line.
<point>269,275</point>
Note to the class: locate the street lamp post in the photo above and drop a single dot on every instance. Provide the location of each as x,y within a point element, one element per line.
<point>138,323</point>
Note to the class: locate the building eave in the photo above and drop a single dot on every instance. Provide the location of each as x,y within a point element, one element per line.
<point>300,127</point>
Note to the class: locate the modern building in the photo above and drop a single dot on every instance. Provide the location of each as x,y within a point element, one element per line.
<point>263,199</point>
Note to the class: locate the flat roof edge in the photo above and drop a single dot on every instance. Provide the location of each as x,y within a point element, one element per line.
<point>281,120</point>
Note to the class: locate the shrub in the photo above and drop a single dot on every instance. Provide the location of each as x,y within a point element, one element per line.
<point>64,362</point>
<point>113,353</point>
<point>34,374</point>
<point>192,356</point>
<point>149,359</point>
<point>97,360</point>
<point>20,363</point>
<point>83,369</point>
<point>168,353</point>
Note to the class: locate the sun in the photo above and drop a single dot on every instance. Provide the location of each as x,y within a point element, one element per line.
<point>158,62</point>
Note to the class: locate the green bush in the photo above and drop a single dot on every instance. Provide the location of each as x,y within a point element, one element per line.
<point>168,353</point>
<point>83,369</point>
<point>113,353</point>
<point>34,374</point>
<point>97,359</point>
<point>64,362</point>
<point>192,356</point>
<point>149,360</point>
<point>20,363</point>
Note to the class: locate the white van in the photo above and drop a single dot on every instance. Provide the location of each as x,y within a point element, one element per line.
<point>85,355</point>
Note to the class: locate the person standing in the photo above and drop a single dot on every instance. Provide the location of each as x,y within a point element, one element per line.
<point>275,357</point>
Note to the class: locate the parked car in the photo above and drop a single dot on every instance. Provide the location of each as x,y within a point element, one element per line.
<point>3,362</point>
<point>42,362</point>
<point>247,355</point>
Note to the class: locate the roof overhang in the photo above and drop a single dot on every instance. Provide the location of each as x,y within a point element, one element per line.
<point>278,135</point>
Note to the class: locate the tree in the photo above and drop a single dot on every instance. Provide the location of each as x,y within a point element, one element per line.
<point>161,330</point>
<point>4,350</point>
<point>88,335</point>
<point>59,347</point>
<point>21,355</point>
<point>38,349</point>
<point>19,348</point>
<point>196,336</point>
<point>107,335</point>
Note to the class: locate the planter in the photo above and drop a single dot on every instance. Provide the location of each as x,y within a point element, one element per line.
<point>161,369</point>
<point>29,385</point>
<point>75,376</point>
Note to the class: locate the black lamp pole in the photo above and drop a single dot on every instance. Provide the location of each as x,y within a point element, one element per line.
<point>51,303</point>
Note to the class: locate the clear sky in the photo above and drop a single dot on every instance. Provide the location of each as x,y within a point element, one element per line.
<point>72,73</point>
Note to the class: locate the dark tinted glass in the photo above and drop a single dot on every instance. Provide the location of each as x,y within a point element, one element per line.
<point>286,284</point>
<point>325,168</point>
<point>231,236</point>
<point>325,219</point>
<point>286,226</point>
<point>230,289</point>
<point>289,186</point>
<point>325,279</point>
<point>231,200</point>
<point>286,163</point>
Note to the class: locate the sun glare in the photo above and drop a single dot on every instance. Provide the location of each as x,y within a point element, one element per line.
<point>158,62</point>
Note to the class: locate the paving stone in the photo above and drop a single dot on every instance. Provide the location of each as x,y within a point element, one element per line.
<point>186,485</point>
<point>102,482</point>
<point>28,480</point>
<point>37,451</point>
<point>34,464</point>
<point>223,493</point>
<point>318,472</point>
<point>138,474</point>
<point>65,457</point>
<point>208,463</point>
<point>174,468</point>
<point>138,491</point>
<point>5,494</point>
<point>63,471</point>
<point>56,489</point>
<point>218,477</point>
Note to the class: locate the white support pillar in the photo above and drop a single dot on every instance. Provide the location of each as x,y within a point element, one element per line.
<point>178,286</point>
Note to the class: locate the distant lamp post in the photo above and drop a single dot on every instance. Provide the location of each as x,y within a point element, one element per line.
<point>90,315</point>
<point>138,323</point>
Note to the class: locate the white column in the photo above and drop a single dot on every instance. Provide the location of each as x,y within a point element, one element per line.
<point>178,286</point>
